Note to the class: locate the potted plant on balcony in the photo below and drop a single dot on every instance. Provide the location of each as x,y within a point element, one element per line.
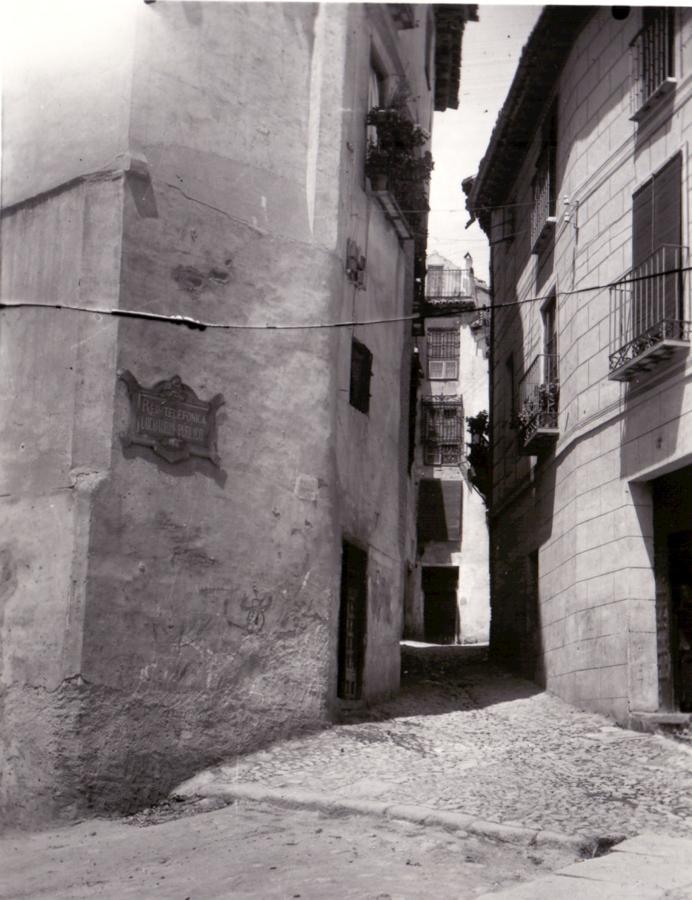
<point>394,160</point>
<point>539,410</point>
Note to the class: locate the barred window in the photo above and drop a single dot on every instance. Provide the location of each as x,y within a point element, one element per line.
<point>443,432</point>
<point>443,353</point>
<point>443,343</point>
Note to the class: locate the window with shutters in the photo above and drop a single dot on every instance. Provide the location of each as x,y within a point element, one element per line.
<point>361,374</point>
<point>647,305</point>
<point>502,225</point>
<point>439,510</point>
<point>443,434</point>
<point>443,353</point>
<point>653,60</point>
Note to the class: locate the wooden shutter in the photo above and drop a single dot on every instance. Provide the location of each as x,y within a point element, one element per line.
<point>667,229</point>
<point>657,228</point>
<point>642,224</point>
<point>666,204</point>
<point>439,510</point>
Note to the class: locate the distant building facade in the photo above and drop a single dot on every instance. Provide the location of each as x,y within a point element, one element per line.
<point>206,532</point>
<point>584,193</point>
<point>448,599</point>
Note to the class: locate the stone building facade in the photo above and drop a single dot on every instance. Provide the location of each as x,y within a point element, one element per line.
<point>204,531</point>
<point>584,194</point>
<point>449,596</point>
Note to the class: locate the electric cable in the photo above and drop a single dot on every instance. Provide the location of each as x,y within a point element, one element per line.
<point>198,325</point>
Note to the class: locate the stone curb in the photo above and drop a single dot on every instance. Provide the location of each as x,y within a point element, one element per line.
<point>419,815</point>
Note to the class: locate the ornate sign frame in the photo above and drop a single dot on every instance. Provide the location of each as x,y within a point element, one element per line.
<point>170,418</point>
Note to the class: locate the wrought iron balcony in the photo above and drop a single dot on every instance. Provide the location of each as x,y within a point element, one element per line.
<point>648,312</point>
<point>444,285</point>
<point>652,62</point>
<point>539,398</point>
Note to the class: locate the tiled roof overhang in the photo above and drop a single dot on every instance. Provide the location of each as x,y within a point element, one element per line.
<point>450,19</point>
<point>539,68</point>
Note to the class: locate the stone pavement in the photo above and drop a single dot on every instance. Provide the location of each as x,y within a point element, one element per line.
<point>647,867</point>
<point>474,741</point>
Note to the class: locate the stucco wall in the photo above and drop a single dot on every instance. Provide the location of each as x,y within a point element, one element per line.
<point>583,507</point>
<point>55,453</point>
<point>185,612</point>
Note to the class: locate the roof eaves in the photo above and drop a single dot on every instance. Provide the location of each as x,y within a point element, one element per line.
<point>450,19</point>
<point>539,68</point>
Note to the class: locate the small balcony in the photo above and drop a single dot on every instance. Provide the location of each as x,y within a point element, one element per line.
<point>539,399</point>
<point>648,315</point>
<point>445,285</point>
<point>652,62</point>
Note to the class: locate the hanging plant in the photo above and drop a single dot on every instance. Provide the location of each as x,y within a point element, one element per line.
<point>542,404</point>
<point>397,151</point>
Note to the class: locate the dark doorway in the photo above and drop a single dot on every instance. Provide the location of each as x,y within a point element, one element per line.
<point>672,496</point>
<point>352,621</point>
<point>680,564</point>
<point>440,604</point>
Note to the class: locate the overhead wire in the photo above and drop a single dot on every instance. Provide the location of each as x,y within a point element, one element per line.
<point>198,325</point>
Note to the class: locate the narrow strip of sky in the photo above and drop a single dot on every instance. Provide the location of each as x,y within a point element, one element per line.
<point>491,50</point>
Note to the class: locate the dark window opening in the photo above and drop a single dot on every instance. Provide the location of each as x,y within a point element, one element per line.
<point>414,382</point>
<point>511,385</point>
<point>550,354</point>
<point>361,374</point>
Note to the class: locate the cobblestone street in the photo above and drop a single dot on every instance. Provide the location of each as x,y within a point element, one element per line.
<point>468,783</point>
<point>463,736</point>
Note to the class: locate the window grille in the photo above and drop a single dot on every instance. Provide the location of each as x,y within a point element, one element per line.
<point>652,60</point>
<point>443,432</point>
<point>544,188</point>
<point>361,374</point>
<point>443,353</point>
<point>443,343</point>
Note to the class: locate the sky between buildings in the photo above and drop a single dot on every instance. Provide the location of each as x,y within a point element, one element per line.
<point>490,53</point>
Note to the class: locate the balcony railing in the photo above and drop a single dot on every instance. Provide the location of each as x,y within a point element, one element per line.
<point>543,211</point>
<point>652,61</point>
<point>648,312</point>
<point>539,399</point>
<point>448,284</point>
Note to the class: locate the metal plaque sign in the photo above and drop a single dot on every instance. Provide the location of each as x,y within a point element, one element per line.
<point>171,419</point>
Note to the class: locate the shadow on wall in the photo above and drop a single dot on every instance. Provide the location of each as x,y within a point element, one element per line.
<point>649,431</point>
<point>516,616</point>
